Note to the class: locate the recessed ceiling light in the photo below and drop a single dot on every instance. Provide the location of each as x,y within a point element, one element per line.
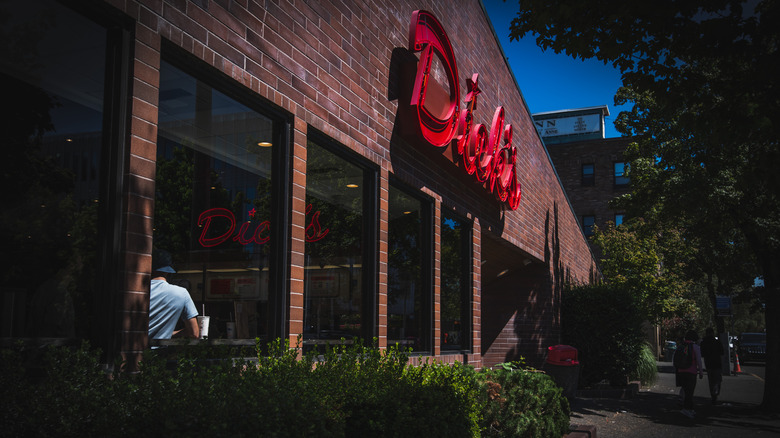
<point>264,144</point>
<point>352,186</point>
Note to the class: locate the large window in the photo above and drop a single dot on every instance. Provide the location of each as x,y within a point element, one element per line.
<point>409,291</point>
<point>60,149</point>
<point>455,283</point>
<point>216,209</point>
<point>339,285</point>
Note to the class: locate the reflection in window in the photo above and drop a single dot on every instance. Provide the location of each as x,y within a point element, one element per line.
<point>588,174</point>
<point>213,202</point>
<point>587,224</point>
<point>621,168</point>
<point>455,283</point>
<point>50,169</point>
<point>333,286</point>
<point>408,295</point>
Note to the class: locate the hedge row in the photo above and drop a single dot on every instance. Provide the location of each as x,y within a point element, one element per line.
<point>350,392</point>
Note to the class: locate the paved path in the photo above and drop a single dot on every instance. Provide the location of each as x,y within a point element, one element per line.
<point>655,411</point>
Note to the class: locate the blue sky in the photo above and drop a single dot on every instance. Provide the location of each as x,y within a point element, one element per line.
<point>551,82</point>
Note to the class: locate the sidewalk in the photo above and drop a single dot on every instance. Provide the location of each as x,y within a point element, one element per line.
<point>655,411</point>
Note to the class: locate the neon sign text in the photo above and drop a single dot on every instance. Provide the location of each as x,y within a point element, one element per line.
<point>249,232</point>
<point>492,162</point>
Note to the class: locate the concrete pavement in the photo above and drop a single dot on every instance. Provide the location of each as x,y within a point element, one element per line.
<point>655,411</point>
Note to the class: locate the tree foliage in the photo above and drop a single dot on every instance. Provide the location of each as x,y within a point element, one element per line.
<point>647,264</point>
<point>703,77</point>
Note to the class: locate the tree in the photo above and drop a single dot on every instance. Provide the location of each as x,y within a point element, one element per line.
<point>647,264</point>
<point>703,76</point>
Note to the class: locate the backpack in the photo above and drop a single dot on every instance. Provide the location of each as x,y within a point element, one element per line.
<point>683,356</point>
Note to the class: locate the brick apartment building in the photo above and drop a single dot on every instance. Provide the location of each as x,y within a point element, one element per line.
<point>591,168</point>
<point>299,160</point>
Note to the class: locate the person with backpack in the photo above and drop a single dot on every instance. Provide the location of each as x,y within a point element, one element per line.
<point>712,352</point>
<point>687,363</point>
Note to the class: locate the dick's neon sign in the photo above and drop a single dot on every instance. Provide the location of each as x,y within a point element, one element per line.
<point>258,232</point>
<point>483,153</point>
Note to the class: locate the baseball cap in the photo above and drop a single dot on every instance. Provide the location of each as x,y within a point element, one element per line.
<point>162,261</point>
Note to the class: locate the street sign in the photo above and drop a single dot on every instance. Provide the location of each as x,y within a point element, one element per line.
<point>723,305</point>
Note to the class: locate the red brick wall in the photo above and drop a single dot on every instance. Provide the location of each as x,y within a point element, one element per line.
<point>329,65</point>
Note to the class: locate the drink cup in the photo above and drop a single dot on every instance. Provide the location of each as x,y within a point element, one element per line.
<point>230,328</point>
<point>203,324</point>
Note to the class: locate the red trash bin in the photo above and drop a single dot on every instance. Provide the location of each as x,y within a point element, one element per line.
<point>564,367</point>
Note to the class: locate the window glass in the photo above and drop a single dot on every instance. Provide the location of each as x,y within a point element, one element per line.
<point>213,202</point>
<point>52,74</point>
<point>588,174</point>
<point>333,286</point>
<point>408,297</point>
<point>620,173</point>
<point>455,283</point>
<point>587,224</point>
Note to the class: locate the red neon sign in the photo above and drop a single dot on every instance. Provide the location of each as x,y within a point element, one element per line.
<point>250,232</point>
<point>427,35</point>
<point>484,156</point>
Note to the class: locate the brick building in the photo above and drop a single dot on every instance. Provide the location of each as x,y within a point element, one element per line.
<point>591,168</point>
<point>272,148</point>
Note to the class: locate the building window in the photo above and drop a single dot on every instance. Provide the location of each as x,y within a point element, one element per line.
<point>588,174</point>
<point>57,203</point>
<point>455,283</point>
<point>621,171</point>
<point>619,217</point>
<point>587,224</point>
<point>216,210</point>
<point>338,299</point>
<point>409,289</point>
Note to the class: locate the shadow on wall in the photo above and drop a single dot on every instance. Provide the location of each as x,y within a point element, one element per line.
<point>521,309</point>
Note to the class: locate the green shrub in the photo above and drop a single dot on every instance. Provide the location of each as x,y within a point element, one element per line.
<point>646,370</point>
<point>604,324</point>
<point>349,392</point>
<point>523,403</point>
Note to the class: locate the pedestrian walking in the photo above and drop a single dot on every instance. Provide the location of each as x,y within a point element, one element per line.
<point>687,363</point>
<point>712,352</point>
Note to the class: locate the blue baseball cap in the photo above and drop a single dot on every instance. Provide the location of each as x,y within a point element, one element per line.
<point>162,261</point>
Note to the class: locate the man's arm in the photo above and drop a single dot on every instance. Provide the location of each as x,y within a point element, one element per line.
<point>191,329</point>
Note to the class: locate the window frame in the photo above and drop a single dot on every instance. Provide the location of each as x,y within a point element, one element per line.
<point>427,228</point>
<point>112,182</point>
<point>281,181</point>
<point>467,278</point>
<point>588,229</point>
<point>370,243</point>
<point>588,180</point>
<point>620,180</point>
